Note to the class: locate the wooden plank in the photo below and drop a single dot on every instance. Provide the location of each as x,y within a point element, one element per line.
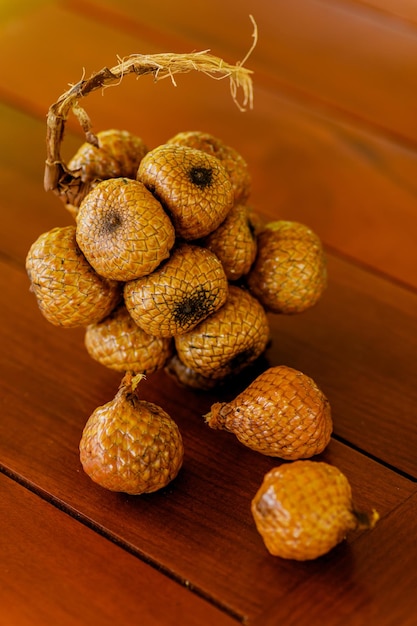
<point>49,387</point>
<point>10,11</point>
<point>367,589</point>
<point>54,571</point>
<point>314,49</point>
<point>404,9</point>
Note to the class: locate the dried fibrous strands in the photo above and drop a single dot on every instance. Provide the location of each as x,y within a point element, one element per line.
<point>58,177</point>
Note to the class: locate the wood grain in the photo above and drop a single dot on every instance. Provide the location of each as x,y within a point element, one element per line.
<point>56,571</point>
<point>404,9</point>
<point>50,387</point>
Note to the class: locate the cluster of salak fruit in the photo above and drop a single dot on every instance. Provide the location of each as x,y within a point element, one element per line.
<point>168,266</point>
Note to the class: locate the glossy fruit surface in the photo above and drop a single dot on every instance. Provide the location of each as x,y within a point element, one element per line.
<point>234,242</point>
<point>193,186</point>
<point>228,340</point>
<point>68,290</point>
<point>233,162</point>
<point>115,153</point>
<point>183,291</point>
<point>131,445</point>
<point>123,230</point>
<point>289,274</point>
<point>304,509</point>
<point>118,343</point>
<point>282,413</point>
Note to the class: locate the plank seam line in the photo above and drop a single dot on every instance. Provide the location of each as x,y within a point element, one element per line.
<point>369,269</point>
<point>375,458</point>
<point>124,545</point>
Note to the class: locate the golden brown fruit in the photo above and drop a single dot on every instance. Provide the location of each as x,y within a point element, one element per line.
<point>179,294</point>
<point>127,149</point>
<point>131,445</point>
<point>119,344</point>
<point>228,340</point>
<point>289,274</point>
<point>281,413</point>
<point>193,186</point>
<point>233,162</point>
<point>117,154</point>
<point>234,242</point>
<point>123,230</point>
<point>68,291</point>
<point>303,509</point>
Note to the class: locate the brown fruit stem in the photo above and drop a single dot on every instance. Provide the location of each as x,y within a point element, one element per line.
<point>128,385</point>
<point>215,418</point>
<point>365,521</point>
<point>58,178</point>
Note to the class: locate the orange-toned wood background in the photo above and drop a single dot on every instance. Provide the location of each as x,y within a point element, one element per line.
<point>331,142</point>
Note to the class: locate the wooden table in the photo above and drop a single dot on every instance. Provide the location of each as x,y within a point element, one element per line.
<point>331,142</point>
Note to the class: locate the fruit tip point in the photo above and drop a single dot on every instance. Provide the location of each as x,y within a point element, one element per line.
<point>366,520</point>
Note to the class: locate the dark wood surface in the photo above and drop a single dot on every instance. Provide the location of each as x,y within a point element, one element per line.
<point>331,142</point>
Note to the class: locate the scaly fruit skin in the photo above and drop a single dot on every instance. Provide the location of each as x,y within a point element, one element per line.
<point>234,242</point>
<point>187,288</point>
<point>117,154</point>
<point>131,445</point>
<point>234,164</point>
<point>123,230</point>
<point>304,509</point>
<point>289,274</point>
<point>228,340</point>
<point>118,343</point>
<point>193,186</point>
<point>68,290</point>
<point>282,413</point>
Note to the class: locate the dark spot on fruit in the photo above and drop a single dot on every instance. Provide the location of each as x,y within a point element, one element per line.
<point>201,176</point>
<point>111,222</point>
<point>194,307</point>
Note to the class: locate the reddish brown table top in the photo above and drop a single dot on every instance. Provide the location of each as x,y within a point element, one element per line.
<point>331,142</point>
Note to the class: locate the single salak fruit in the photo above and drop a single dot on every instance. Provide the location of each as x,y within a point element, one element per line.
<point>123,230</point>
<point>131,445</point>
<point>192,185</point>
<point>289,274</point>
<point>228,340</point>
<point>234,242</point>
<point>282,413</point>
<point>68,290</point>
<point>179,294</point>
<point>116,154</point>
<point>303,509</point>
<point>118,343</point>
<point>234,164</point>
